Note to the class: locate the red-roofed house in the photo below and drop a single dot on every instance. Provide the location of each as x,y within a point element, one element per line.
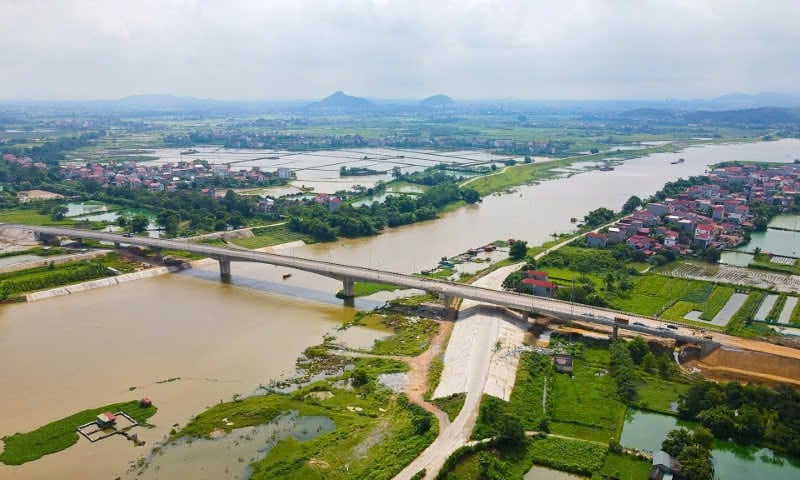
<point>596,240</point>
<point>535,274</point>
<point>540,288</point>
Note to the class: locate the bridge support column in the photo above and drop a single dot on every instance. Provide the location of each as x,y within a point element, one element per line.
<point>157,251</point>
<point>614,332</point>
<point>348,287</point>
<point>116,245</point>
<point>449,306</point>
<point>224,268</point>
<point>526,316</point>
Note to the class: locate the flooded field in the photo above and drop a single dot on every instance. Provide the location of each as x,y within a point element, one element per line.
<point>227,455</point>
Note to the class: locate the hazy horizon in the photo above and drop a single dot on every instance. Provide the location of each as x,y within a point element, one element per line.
<point>575,50</point>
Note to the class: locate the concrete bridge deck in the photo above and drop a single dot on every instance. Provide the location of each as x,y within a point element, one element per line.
<point>349,274</point>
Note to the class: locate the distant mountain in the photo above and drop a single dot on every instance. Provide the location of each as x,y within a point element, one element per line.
<point>750,116</point>
<point>341,101</point>
<point>437,101</point>
<point>736,101</point>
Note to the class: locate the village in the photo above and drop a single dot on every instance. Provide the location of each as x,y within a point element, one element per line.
<point>713,215</point>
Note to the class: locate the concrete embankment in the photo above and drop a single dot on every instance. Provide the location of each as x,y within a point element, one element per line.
<point>110,281</point>
<point>55,260</point>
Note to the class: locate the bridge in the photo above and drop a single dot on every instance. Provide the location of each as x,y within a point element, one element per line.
<point>348,275</point>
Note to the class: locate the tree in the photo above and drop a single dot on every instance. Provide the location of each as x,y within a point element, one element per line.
<point>512,433</point>
<point>594,151</point>
<point>528,159</point>
<point>665,366</point>
<point>676,441</point>
<point>712,255</point>
<point>168,220</point>
<point>58,213</point>
<point>649,363</point>
<point>631,204</point>
<point>518,249</point>
<point>470,195</point>
<point>359,377</point>
<point>493,167</point>
<point>696,463</point>
<point>513,281</point>
<point>139,223</point>
<point>638,349</point>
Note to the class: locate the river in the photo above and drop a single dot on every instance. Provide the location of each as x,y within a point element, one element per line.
<point>79,351</point>
<point>646,430</point>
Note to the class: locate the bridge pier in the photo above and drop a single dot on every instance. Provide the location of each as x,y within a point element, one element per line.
<point>224,268</point>
<point>348,287</point>
<point>614,332</point>
<point>116,245</point>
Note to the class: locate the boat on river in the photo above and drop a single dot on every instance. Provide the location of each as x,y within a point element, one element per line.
<point>286,275</point>
<point>680,160</point>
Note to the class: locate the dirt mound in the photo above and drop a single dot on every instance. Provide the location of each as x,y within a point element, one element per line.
<point>732,364</point>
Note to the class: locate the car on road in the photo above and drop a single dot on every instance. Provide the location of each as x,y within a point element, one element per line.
<point>639,324</point>
<point>671,326</point>
<point>127,235</point>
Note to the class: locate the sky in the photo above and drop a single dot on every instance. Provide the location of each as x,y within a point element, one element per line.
<point>468,49</point>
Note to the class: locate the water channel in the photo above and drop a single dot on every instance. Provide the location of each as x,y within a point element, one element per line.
<point>66,354</point>
<point>646,431</point>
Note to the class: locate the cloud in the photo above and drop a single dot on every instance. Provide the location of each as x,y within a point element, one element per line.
<point>469,49</point>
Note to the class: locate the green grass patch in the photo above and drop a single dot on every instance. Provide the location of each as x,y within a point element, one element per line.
<point>624,467</point>
<point>656,393</point>
<point>590,385</point>
<point>718,298</point>
<point>30,217</point>
<point>269,236</point>
<point>182,254</point>
<point>56,436</point>
<point>440,273</point>
<point>525,401</point>
<point>575,456</point>
<point>775,313</point>
<point>41,278</point>
<point>435,370</point>
<point>653,293</point>
<point>411,336</point>
<point>795,318</point>
<point>451,405</point>
<point>363,289</point>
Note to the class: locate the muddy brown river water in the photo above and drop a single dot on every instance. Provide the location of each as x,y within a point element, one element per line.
<point>66,354</point>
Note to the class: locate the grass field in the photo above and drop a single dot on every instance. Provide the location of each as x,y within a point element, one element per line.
<point>363,289</point>
<point>40,278</point>
<point>652,293</point>
<point>61,434</point>
<point>656,393</point>
<point>624,467</point>
<point>590,385</point>
<point>795,318</point>
<point>29,217</point>
<point>411,337</point>
<point>709,307</point>
<point>270,236</point>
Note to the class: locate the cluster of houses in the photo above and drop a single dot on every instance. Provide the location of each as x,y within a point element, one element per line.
<point>23,161</point>
<point>168,176</point>
<point>709,215</point>
<point>538,283</point>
